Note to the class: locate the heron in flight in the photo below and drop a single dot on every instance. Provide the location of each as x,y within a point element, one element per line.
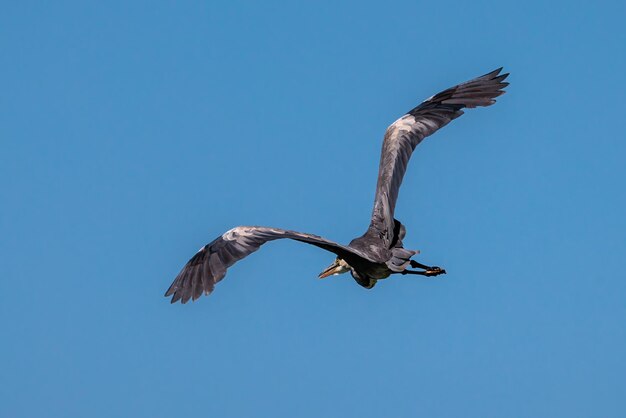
<point>379,252</point>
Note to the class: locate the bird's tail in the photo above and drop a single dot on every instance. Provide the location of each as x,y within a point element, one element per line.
<point>400,258</point>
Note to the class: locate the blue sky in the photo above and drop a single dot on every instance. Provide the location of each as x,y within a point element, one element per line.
<point>132,133</point>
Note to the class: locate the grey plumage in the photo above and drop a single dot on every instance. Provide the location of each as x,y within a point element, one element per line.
<point>209,265</point>
<point>379,252</point>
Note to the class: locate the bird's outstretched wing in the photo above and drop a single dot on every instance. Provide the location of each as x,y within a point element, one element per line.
<point>209,265</point>
<point>406,133</point>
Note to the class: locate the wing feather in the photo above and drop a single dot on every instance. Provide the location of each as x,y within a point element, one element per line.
<point>208,266</point>
<point>406,133</point>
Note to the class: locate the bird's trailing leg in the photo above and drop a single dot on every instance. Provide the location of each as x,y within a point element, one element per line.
<point>417,265</point>
<point>428,270</point>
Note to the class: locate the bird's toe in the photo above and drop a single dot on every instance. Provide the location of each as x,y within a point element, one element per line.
<point>435,271</point>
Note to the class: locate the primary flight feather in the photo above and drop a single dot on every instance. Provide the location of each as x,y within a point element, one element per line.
<point>379,252</point>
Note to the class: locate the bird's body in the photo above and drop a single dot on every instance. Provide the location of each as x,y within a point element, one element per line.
<point>379,252</point>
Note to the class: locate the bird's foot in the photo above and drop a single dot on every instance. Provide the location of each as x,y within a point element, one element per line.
<point>429,272</point>
<point>434,271</point>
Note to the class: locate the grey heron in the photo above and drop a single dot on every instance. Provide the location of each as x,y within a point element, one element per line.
<point>379,252</point>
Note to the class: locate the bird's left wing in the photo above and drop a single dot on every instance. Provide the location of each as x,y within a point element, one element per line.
<point>406,133</point>
<point>209,265</point>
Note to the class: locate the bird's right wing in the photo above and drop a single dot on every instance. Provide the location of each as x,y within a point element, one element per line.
<point>209,265</point>
<point>406,133</point>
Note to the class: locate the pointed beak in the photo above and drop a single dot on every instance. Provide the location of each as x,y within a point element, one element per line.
<point>334,268</point>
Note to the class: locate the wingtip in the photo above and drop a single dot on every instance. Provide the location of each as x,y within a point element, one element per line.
<point>495,74</point>
<point>491,74</point>
<point>175,298</point>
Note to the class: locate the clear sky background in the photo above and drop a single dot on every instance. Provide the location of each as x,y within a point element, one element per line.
<point>132,133</point>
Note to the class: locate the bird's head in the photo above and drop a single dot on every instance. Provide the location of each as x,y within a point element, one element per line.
<point>338,267</point>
